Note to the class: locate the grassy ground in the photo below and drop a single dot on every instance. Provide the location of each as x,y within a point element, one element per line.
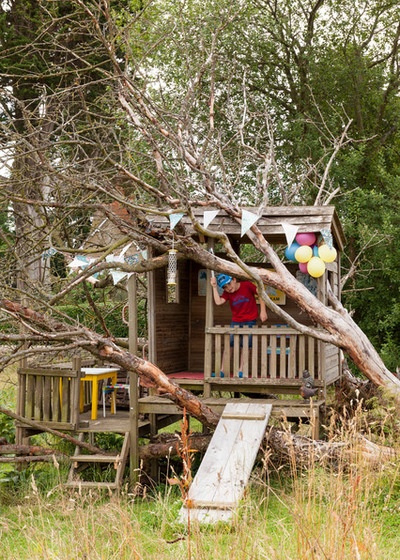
<point>316,514</point>
<point>349,510</point>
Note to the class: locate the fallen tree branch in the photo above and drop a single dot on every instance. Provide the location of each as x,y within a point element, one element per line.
<point>16,449</point>
<point>281,447</point>
<point>30,459</point>
<point>42,428</point>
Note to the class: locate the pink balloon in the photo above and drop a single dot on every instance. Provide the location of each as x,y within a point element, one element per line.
<point>303,267</point>
<point>306,238</point>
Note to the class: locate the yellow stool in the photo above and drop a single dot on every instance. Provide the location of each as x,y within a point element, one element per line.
<point>94,375</point>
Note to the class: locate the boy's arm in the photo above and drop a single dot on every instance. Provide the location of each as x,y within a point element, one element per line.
<point>217,298</point>
<point>263,310</point>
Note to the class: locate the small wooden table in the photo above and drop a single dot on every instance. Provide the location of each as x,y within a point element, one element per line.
<point>94,375</point>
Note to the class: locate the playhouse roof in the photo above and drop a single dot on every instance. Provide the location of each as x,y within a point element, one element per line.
<point>306,218</point>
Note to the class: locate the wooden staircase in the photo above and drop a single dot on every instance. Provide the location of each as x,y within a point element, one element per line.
<point>81,461</point>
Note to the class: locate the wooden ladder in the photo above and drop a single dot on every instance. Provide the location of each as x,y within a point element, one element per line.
<point>226,467</point>
<point>80,462</point>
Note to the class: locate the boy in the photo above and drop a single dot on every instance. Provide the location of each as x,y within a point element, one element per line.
<point>242,300</point>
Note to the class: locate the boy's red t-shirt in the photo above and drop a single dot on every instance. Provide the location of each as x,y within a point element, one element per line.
<point>243,302</point>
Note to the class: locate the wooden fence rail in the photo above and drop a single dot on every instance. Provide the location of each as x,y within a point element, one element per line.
<point>268,353</point>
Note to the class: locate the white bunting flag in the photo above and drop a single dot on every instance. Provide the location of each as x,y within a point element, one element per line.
<point>208,217</point>
<point>175,218</point>
<point>117,276</point>
<point>124,250</point>
<point>49,253</point>
<point>115,258</point>
<point>79,261</point>
<point>290,232</point>
<point>248,219</point>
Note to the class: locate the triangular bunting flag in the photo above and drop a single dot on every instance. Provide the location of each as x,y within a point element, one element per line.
<point>79,261</point>
<point>117,276</point>
<point>175,218</point>
<point>327,236</point>
<point>92,279</point>
<point>115,258</point>
<point>290,232</point>
<point>208,216</point>
<point>248,219</point>
<point>132,259</point>
<point>124,250</point>
<point>49,253</point>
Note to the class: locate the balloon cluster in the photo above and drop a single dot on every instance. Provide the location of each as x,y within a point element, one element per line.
<point>310,256</point>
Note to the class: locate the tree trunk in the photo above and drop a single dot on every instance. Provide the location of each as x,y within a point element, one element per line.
<point>280,447</point>
<point>43,428</point>
<point>14,449</point>
<point>151,376</point>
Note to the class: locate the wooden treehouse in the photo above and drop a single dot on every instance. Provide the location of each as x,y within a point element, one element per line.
<point>186,337</point>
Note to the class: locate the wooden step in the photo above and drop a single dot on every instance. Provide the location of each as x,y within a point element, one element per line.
<point>80,462</point>
<point>96,458</point>
<point>90,484</point>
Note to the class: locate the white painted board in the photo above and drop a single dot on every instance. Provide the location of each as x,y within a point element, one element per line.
<point>226,467</point>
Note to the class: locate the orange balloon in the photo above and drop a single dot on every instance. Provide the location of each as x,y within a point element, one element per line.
<point>316,267</point>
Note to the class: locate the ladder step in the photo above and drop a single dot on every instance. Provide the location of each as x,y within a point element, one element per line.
<point>80,462</point>
<point>96,458</point>
<point>88,484</point>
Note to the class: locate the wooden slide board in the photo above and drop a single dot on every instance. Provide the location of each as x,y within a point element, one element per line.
<point>226,467</point>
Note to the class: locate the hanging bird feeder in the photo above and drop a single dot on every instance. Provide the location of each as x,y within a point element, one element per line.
<point>172,267</point>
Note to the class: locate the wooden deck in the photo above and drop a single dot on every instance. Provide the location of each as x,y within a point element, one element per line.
<point>168,412</point>
<point>306,411</point>
<point>119,423</point>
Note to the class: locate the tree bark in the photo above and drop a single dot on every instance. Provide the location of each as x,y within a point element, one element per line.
<point>42,428</point>
<point>281,447</point>
<point>29,459</point>
<point>15,449</point>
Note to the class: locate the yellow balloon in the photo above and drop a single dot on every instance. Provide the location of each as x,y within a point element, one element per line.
<point>326,254</point>
<point>303,254</point>
<point>315,267</point>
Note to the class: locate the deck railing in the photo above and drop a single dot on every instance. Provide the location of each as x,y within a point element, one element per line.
<point>49,395</point>
<point>268,353</point>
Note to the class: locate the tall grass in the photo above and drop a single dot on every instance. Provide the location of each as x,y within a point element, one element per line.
<point>316,513</point>
<point>347,509</point>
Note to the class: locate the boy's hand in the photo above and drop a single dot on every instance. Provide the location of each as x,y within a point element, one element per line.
<point>263,316</point>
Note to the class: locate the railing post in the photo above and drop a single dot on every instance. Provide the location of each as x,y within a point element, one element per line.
<point>75,391</point>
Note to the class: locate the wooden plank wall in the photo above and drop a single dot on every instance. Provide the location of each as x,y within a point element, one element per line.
<point>172,321</point>
<point>180,327</point>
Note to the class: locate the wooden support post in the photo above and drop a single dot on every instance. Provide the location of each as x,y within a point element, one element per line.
<point>133,383</point>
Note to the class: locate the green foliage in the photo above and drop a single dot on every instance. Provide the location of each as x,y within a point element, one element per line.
<point>7,424</point>
<point>111,313</point>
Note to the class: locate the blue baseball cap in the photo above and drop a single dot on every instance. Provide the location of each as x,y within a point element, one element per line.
<point>223,280</point>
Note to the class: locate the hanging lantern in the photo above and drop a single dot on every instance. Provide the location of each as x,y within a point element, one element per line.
<point>172,267</point>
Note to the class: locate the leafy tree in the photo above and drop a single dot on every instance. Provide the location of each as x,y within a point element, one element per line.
<point>163,107</point>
